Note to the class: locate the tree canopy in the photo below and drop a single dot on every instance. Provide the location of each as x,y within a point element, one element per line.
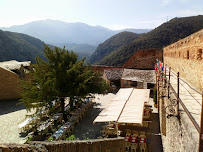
<point>63,75</point>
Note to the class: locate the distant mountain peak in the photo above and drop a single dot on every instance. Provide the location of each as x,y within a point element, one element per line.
<point>55,31</point>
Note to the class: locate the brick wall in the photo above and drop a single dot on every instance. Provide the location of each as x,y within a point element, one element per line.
<point>186,56</point>
<point>9,82</point>
<point>98,145</point>
<point>144,59</point>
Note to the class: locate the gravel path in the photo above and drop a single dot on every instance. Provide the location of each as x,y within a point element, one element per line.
<point>86,129</point>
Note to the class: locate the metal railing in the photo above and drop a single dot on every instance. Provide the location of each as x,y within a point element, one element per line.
<point>177,95</point>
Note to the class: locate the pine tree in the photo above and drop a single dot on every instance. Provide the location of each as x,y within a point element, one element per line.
<point>62,76</point>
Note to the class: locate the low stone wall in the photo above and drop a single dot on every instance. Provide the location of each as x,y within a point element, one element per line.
<point>98,145</point>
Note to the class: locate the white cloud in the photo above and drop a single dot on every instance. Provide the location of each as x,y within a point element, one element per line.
<point>165,2</point>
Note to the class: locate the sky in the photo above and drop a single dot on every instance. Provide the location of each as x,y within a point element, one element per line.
<point>113,14</point>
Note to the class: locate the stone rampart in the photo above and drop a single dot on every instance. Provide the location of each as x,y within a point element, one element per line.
<point>186,56</point>
<point>144,59</point>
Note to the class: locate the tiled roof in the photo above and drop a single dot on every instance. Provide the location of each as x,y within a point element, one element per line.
<point>139,75</point>
<point>113,74</point>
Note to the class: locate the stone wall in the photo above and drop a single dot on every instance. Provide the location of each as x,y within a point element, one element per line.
<point>144,59</point>
<point>9,82</point>
<point>186,56</point>
<point>101,68</point>
<point>98,145</point>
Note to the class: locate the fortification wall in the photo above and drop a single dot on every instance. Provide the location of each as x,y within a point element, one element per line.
<point>9,82</point>
<point>98,145</point>
<point>144,59</point>
<point>101,68</point>
<point>186,56</point>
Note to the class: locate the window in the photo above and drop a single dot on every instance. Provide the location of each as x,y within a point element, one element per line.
<point>188,54</point>
<point>199,54</point>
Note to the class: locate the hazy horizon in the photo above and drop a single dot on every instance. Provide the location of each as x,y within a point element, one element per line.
<point>112,14</point>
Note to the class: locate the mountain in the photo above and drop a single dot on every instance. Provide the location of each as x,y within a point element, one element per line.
<point>112,44</point>
<point>20,47</point>
<point>164,35</point>
<point>54,31</point>
<point>83,50</point>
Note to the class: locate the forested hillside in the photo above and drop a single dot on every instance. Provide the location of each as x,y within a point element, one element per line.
<point>163,35</point>
<point>113,44</point>
<point>20,47</point>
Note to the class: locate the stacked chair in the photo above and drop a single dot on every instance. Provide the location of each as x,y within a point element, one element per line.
<point>128,139</point>
<point>135,141</point>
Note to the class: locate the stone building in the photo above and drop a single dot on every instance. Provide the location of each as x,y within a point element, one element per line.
<point>11,72</point>
<point>144,79</point>
<point>113,78</point>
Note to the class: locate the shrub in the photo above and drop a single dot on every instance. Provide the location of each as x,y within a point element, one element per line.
<point>72,137</point>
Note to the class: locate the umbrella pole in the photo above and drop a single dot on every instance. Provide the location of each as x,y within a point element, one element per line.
<point>117,129</point>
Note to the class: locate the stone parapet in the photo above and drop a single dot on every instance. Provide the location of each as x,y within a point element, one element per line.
<point>186,56</point>
<point>97,145</point>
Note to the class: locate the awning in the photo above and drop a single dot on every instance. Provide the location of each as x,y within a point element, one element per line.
<point>114,108</point>
<point>134,108</point>
<point>126,107</point>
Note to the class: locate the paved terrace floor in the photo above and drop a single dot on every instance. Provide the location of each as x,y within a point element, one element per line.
<point>191,99</point>
<point>11,115</point>
<point>86,129</point>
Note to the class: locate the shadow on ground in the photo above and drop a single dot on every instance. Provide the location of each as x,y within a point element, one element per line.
<point>10,106</point>
<point>154,134</point>
<point>86,129</point>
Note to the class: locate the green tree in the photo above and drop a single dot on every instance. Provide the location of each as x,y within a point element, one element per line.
<point>62,76</point>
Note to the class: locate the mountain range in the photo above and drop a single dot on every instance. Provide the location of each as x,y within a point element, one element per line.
<point>166,34</point>
<point>59,32</point>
